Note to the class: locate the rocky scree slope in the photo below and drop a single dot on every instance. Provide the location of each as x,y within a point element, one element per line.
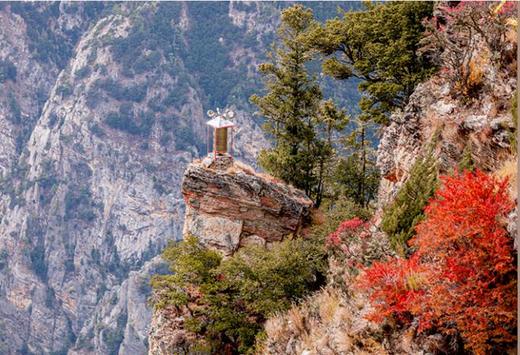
<point>101,109</point>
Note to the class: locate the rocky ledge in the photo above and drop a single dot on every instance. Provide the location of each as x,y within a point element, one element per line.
<point>230,205</point>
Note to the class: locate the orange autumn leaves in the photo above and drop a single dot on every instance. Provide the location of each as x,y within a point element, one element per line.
<point>462,276</point>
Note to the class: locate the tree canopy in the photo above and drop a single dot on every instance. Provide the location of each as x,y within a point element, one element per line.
<point>379,47</point>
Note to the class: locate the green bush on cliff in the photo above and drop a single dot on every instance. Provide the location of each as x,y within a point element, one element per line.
<point>401,217</point>
<point>230,299</point>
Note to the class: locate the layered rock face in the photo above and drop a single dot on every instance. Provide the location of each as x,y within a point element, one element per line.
<point>229,205</point>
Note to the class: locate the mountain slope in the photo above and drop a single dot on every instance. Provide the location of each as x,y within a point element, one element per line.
<point>101,108</point>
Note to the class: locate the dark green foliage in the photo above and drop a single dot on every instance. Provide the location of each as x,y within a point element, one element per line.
<point>113,88</point>
<point>147,62</point>
<point>355,175</point>
<point>34,233</point>
<point>401,217</point>
<point>212,63</point>
<point>97,131</point>
<point>53,119</point>
<point>175,98</point>
<point>47,45</point>
<point>114,337</point>
<point>239,293</point>
<point>83,72</point>
<point>15,115</point>
<point>126,121</point>
<point>47,182</point>
<point>64,90</point>
<point>466,162</point>
<point>7,71</point>
<point>377,46</point>
<point>335,211</point>
<point>79,204</point>
<point>301,123</point>
<point>155,32</point>
<point>92,98</point>
<point>184,138</point>
<point>4,258</point>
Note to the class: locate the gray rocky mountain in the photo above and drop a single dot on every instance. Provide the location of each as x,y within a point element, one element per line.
<point>101,109</point>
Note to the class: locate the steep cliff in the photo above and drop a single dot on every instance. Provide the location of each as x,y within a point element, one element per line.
<point>101,109</point>
<point>229,206</point>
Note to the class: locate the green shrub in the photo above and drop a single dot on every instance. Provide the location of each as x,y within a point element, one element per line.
<point>83,72</point>
<point>231,299</point>
<point>466,161</point>
<point>336,211</point>
<point>64,90</point>
<point>7,71</point>
<point>401,217</point>
<point>16,113</point>
<point>79,204</point>
<point>125,120</point>
<point>113,88</point>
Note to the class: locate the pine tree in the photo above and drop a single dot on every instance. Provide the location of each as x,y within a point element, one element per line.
<point>377,46</point>
<point>301,123</point>
<point>356,175</point>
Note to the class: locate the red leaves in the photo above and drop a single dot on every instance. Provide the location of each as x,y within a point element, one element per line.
<point>395,287</point>
<point>464,264</point>
<point>346,228</point>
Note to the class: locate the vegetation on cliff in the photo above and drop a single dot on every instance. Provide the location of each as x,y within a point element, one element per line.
<point>406,210</point>
<point>461,280</point>
<point>434,269</point>
<point>377,46</point>
<point>226,301</point>
<point>452,288</point>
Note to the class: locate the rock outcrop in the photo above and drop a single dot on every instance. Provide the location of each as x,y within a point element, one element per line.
<point>229,205</point>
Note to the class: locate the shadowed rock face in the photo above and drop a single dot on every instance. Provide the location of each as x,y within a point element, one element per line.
<point>229,205</point>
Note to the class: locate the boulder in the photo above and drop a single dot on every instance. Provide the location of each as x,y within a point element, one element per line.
<point>229,204</point>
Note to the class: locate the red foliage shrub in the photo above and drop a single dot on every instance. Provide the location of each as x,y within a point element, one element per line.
<point>395,287</point>
<point>465,262</point>
<point>346,229</point>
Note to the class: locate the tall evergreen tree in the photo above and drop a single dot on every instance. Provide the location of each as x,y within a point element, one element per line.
<point>301,123</point>
<point>356,175</point>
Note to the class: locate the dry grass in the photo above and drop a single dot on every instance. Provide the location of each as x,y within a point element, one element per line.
<point>243,167</point>
<point>275,327</point>
<point>509,170</point>
<point>328,304</point>
<point>296,320</point>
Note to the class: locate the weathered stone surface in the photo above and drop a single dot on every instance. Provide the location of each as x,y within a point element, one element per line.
<point>231,204</point>
<point>218,232</point>
<point>434,117</point>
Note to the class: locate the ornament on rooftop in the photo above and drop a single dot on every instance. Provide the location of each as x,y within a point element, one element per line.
<point>221,122</point>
